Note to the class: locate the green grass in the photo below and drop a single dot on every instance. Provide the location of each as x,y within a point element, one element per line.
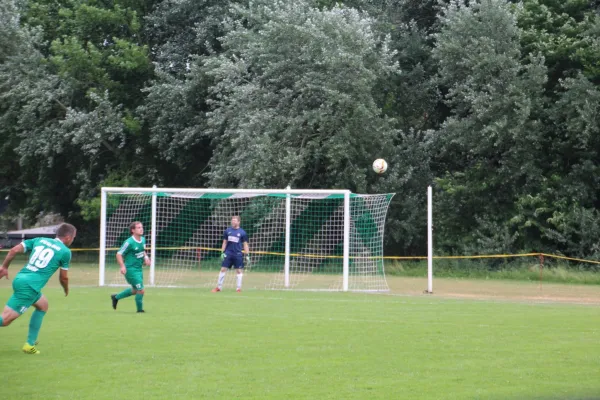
<point>302,345</point>
<point>520,270</point>
<point>526,269</point>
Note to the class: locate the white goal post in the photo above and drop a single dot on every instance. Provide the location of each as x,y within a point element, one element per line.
<point>299,239</point>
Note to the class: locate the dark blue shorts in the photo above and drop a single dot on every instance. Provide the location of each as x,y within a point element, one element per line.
<point>235,261</point>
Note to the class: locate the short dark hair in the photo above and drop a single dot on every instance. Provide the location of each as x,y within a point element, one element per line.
<point>65,230</point>
<point>133,225</point>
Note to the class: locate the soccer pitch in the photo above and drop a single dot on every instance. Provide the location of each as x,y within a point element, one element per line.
<point>194,344</point>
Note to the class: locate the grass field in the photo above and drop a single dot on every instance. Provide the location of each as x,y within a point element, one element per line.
<point>470,340</point>
<point>521,269</point>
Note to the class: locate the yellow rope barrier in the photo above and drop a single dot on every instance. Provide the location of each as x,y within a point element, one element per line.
<point>570,258</point>
<point>466,257</point>
<point>365,257</point>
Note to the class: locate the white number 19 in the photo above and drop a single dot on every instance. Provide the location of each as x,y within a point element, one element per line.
<point>41,256</point>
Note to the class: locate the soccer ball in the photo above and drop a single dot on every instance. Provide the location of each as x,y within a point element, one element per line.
<point>379,166</point>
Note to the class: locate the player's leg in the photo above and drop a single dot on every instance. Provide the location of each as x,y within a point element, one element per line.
<point>239,268</point>
<point>18,303</point>
<point>136,280</point>
<point>225,265</point>
<point>23,297</point>
<point>35,323</point>
<point>222,274</point>
<point>8,316</point>
<point>130,291</point>
<point>139,295</point>
<point>124,294</point>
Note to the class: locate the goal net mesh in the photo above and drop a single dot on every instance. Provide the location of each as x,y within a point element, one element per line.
<point>189,232</point>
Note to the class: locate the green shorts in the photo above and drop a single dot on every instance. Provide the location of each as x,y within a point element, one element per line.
<point>24,296</point>
<point>135,278</point>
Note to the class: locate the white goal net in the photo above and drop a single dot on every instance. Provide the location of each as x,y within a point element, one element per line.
<point>306,240</point>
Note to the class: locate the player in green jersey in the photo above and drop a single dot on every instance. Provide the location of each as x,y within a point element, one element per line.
<point>47,255</point>
<point>131,256</point>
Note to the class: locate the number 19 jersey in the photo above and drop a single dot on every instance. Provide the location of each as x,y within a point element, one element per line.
<point>47,255</point>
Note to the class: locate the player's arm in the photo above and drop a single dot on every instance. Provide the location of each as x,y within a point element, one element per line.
<point>146,259</point>
<point>12,253</point>
<point>223,247</point>
<point>247,251</point>
<point>124,248</point>
<point>121,263</point>
<point>63,278</point>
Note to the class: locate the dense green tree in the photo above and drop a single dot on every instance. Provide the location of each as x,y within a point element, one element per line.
<point>179,30</point>
<point>67,99</point>
<point>487,147</point>
<point>566,33</point>
<point>174,114</point>
<point>14,41</point>
<point>293,98</point>
<point>174,110</point>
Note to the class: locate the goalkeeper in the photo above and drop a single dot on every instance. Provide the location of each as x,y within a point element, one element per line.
<point>234,238</point>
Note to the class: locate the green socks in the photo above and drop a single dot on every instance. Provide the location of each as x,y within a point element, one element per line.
<point>139,299</point>
<point>125,293</point>
<point>35,323</point>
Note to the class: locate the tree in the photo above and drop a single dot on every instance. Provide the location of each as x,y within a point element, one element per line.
<point>174,115</point>
<point>179,30</point>
<point>13,39</point>
<point>411,98</point>
<point>293,99</point>
<point>67,96</point>
<point>572,192</point>
<point>10,29</point>
<point>566,33</point>
<point>488,147</point>
<point>174,110</point>
<point>29,98</point>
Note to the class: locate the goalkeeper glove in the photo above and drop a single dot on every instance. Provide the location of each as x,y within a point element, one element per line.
<point>223,256</point>
<point>247,259</point>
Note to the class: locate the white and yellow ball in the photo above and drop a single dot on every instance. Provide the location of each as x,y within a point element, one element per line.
<point>380,166</point>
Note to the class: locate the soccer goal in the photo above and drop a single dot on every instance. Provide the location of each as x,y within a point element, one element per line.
<point>299,239</point>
